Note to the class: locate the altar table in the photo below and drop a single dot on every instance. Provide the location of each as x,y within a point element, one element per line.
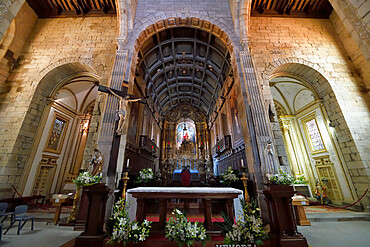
<point>164,193</point>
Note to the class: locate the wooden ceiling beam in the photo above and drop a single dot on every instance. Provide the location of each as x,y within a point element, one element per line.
<point>72,8</point>
<point>292,8</point>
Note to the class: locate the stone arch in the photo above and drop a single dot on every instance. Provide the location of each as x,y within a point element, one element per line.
<point>315,77</point>
<point>309,73</point>
<point>225,33</point>
<point>34,120</point>
<point>70,64</point>
<point>7,39</point>
<point>151,23</point>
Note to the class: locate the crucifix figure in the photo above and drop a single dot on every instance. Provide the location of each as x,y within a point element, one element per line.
<point>123,101</point>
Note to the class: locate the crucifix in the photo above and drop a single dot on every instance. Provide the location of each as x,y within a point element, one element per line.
<point>123,98</point>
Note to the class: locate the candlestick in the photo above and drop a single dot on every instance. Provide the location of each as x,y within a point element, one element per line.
<point>128,163</point>
<point>245,181</point>
<point>125,178</point>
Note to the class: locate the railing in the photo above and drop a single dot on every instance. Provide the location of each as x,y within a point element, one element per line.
<point>149,146</point>
<point>221,146</point>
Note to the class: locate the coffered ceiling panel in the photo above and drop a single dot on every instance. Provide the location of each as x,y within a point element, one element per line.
<point>183,66</point>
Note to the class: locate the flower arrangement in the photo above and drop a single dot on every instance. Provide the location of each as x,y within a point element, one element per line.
<point>122,229</point>
<point>282,178</point>
<point>182,231</point>
<point>145,175</point>
<point>86,179</point>
<point>229,176</point>
<point>248,228</point>
<point>300,180</point>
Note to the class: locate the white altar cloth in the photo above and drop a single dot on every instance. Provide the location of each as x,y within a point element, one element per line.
<point>207,190</point>
<point>133,201</point>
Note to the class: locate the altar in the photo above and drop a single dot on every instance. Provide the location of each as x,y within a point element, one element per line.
<point>206,194</point>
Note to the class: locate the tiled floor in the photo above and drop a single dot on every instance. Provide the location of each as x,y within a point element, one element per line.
<point>329,228</point>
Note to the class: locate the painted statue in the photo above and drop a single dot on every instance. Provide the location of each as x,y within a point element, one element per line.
<point>320,193</point>
<point>96,163</point>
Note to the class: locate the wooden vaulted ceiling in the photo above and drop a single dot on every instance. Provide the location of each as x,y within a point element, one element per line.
<point>72,8</point>
<point>183,66</point>
<point>292,8</point>
<point>272,8</point>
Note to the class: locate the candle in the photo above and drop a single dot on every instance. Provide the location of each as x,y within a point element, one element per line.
<point>128,163</point>
<point>242,162</point>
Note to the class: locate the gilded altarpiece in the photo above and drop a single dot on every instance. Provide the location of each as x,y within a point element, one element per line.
<point>185,142</point>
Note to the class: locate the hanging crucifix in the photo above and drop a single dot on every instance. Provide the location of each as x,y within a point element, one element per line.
<point>124,99</point>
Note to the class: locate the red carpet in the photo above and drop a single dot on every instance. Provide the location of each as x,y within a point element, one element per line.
<point>156,219</point>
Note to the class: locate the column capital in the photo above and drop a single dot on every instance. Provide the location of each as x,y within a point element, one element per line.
<point>121,42</point>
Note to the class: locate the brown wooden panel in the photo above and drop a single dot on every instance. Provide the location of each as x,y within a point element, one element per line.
<point>292,8</point>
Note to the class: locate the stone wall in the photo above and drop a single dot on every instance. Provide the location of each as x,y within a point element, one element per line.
<point>314,43</point>
<point>79,42</point>
<point>361,65</point>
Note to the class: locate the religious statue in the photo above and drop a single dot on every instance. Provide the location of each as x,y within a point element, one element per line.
<point>320,193</point>
<point>96,162</point>
<point>270,162</point>
<point>123,101</point>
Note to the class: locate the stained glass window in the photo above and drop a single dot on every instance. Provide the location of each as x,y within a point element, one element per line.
<point>315,136</point>
<point>56,134</point>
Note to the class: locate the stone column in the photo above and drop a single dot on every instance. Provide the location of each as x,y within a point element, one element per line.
<point>286,128</point>
<point>108,125</point>
<point>261,128</point>
<point>258,126</point>
<point>107,132</point>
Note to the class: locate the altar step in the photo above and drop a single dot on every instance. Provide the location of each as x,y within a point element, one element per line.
<point>330,217</point>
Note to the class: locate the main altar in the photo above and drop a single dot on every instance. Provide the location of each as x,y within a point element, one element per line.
<point>186,145</point>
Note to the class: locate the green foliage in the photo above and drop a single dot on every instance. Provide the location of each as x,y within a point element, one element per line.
<point>300,180</point>
<point>229,176</point>
<point>145,175</point>
<point>184,232</point>
<point>282,178</point>
<point>122,229</point>
<point>86,179</point>
<point>248,228</point>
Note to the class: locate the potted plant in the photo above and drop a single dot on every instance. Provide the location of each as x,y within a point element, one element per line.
<point>145,175</point>
<point>122,230</point>
<point>180,230</point>
<point>281,178</point>
<point>229,176</point>
<point>86,179</point>
<point>248,229</point>
<point>300,180</point>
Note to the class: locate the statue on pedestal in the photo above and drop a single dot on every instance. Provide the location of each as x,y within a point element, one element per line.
<point>96,162</point>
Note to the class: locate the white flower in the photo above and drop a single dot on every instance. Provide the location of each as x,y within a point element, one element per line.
<point>134,226</point>
<point>142,237</point>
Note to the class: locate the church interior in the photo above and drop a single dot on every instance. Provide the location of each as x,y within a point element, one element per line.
<point>185,92</point>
